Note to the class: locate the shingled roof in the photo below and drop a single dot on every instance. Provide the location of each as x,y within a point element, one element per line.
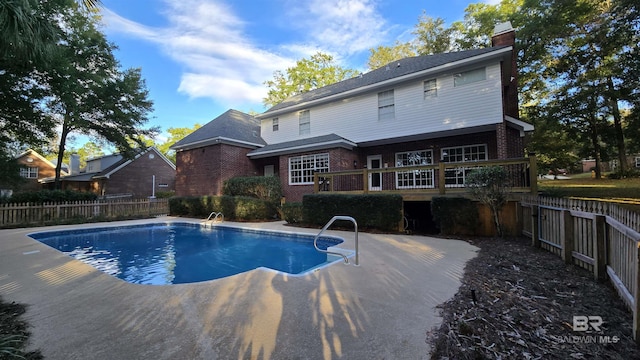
<point>233,126</point>
<point>392,70</point>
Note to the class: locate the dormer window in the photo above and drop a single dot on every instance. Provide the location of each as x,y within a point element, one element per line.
<point>469,77</point>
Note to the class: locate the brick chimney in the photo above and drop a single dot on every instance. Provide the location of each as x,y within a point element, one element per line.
<point>505,34</point>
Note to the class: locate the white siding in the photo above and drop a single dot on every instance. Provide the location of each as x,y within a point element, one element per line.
<point>356,118</point>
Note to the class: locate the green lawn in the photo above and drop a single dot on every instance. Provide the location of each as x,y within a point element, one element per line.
<point>583,186</point>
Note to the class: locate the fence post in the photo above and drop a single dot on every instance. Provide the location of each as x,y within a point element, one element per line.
<point>535,232</point>
<point>636,297</point>
<point>568,236</point>
<point>600,266</point>
<point>533,173</point>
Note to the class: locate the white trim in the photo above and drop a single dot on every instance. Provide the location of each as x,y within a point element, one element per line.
<point>414,186</point>
<point>385,83</point>
<point>213,141</point>
<point>302,166</point>
<point>519,124</point>
<point>289,150</point>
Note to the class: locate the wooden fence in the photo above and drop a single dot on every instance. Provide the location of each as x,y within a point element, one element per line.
<point>50,213</point>
<point>603,238</point>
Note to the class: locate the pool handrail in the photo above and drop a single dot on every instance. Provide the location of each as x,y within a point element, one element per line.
<point>339,217</point>
<point>218,215</point>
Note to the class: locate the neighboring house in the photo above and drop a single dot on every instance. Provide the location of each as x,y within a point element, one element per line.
<point>33,168</point>
<point>113,175</point>
<point>451,107</point>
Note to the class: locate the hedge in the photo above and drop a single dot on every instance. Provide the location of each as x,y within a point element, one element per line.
<point>292,212</point>
<point>267,188</point>
<point>240,208</point>
<point>51,196</point>
<point>376,211</point>
<point>455,215</point>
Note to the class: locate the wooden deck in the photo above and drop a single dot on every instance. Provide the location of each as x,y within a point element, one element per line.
<point>422,183</point>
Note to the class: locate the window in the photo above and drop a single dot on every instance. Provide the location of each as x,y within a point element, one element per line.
<point>455,177</point>
<point>29,172</point>
<point>275,124</point>
<point>305,122</point>
<point>468,77</point>
<point>414,179</point>
<point>386,108</point>
<point>430,89</point>
<point>302,168</point>
<point>637,161</point>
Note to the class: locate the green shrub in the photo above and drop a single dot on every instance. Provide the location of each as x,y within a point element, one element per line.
<point>376,211</point>
<point>52,196</point>
<point>165,194</point>
<point>250,209</point>
<point>241,208</point>
<point>292,213</point>
<point>267,188</point>
<point>629,173</point>
<point>454,215</point>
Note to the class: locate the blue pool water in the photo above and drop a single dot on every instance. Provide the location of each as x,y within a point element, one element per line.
<point>179,253</point>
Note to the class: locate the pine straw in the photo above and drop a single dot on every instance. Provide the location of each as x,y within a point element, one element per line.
<point>526,300</point>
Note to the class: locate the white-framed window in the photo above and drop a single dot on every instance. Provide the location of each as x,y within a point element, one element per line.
<point>414,179</point>
<point>386,106</point>
<point>471,153</point>
<point>302,168</point>
<point>430,89</point>
<point>304,118</point>
<point>637,161</point>
<point>468,77</point>
<point>275,124</point>
<point>29,172</point>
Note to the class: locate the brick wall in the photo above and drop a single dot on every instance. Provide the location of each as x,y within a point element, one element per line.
<point>202,171</point>
<point>136,178</point>
<point>44,170</point>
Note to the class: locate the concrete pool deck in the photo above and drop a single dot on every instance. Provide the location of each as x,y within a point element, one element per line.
<point>381,309</point>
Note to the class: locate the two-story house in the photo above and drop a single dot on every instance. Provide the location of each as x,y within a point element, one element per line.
<point>452,107</point>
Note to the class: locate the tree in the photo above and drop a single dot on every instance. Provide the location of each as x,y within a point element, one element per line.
<point>308,74</point>
<point>490,186</point>
<point>175,135</point>
<point>431,36</point>
<point>90,95</point>
<point>383,55</point>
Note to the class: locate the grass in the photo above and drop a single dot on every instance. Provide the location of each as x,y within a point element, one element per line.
<point>623,191</point>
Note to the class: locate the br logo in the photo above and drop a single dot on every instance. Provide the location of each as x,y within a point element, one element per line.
<point>583,323</point>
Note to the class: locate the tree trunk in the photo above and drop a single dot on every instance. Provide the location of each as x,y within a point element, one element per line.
<point>61,146</point>
<point>596,145</point>
<point>617,123</point>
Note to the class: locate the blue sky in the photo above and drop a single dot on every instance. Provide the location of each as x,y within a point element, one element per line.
<point>200,58</point>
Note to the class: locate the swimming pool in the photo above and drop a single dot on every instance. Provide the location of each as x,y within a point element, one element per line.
<point>178,253</point>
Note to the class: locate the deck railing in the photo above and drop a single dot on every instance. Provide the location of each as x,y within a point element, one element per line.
<point>47,213</point>
<point>442,178</point>
<point>601,237</point>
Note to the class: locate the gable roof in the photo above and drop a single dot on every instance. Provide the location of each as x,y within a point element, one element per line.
<point>233,127</point>
<point>397,71</point>
<point>309,144</point>
<point>31,152</point>
<point>110,170</point>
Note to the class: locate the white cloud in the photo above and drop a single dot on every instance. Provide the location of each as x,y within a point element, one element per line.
<point>344,27</point>
<point>207,39</point>
<point>221,61</point>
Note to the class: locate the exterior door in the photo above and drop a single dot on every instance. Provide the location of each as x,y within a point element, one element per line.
<point>375,178</point>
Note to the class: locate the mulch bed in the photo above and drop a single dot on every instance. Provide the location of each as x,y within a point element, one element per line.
<point>525,301</point>
<point>13,333</point>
